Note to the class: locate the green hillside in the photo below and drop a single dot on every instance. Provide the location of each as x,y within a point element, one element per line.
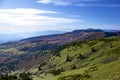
<point>89,60</point>
<point>27,53</point>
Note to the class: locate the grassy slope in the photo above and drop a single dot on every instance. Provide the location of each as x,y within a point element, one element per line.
<point>103,54</point>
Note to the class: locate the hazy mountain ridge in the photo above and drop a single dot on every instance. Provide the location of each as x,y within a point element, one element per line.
<point>26,48</point>
<point>49,42</point>
<point>18,36</point>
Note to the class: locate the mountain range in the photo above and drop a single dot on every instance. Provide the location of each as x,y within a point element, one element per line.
<point>43,52</point>
<point>18,36</point>
<point>50,42</point>
<point>26,48</point>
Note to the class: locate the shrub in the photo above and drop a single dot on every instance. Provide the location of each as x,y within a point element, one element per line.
<point>68,58</point>
<point>8,77</point>
<point>25,76</point>
<point>39,68</point>
<point>93,49</point>
<point>81,56</point>
<point>73,67</point>
<point>56,72</point>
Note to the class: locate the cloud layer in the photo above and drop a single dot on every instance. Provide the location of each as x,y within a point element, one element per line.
<point>30,17</point>
<point>55,2</point>
<point>82,3</point>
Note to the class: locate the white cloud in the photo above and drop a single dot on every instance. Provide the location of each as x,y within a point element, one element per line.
<point>55,2</point>
<point>30,17</point>
<point>97,5</point>
<point>24,29</point>
<point>45,1</point>
<point>64,2</point>
<point>25,11</point>
<point>27,20</point>
<point>80,3</point>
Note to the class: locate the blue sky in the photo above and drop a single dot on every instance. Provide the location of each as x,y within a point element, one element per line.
<point>21,16</point>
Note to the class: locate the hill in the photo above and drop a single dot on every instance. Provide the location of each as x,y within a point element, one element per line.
<point>89,60</point>
<point>32,51</point>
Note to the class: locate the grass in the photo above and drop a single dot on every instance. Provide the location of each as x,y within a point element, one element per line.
<point>105,57</point>
<point>101,54</point>
<point>12,50</point>
<point>109,71</point>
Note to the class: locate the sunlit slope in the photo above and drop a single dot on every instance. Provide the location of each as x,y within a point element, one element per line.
<point>90,60</point>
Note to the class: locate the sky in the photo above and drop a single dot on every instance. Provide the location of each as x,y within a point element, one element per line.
<point>21,16</point>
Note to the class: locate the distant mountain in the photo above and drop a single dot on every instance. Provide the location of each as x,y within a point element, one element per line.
<point>14,37</point>
<point>41,33</point>
<point>9,37</point>
<point>80,35</point>
<point>110,30</point>
<point>50,42</point>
